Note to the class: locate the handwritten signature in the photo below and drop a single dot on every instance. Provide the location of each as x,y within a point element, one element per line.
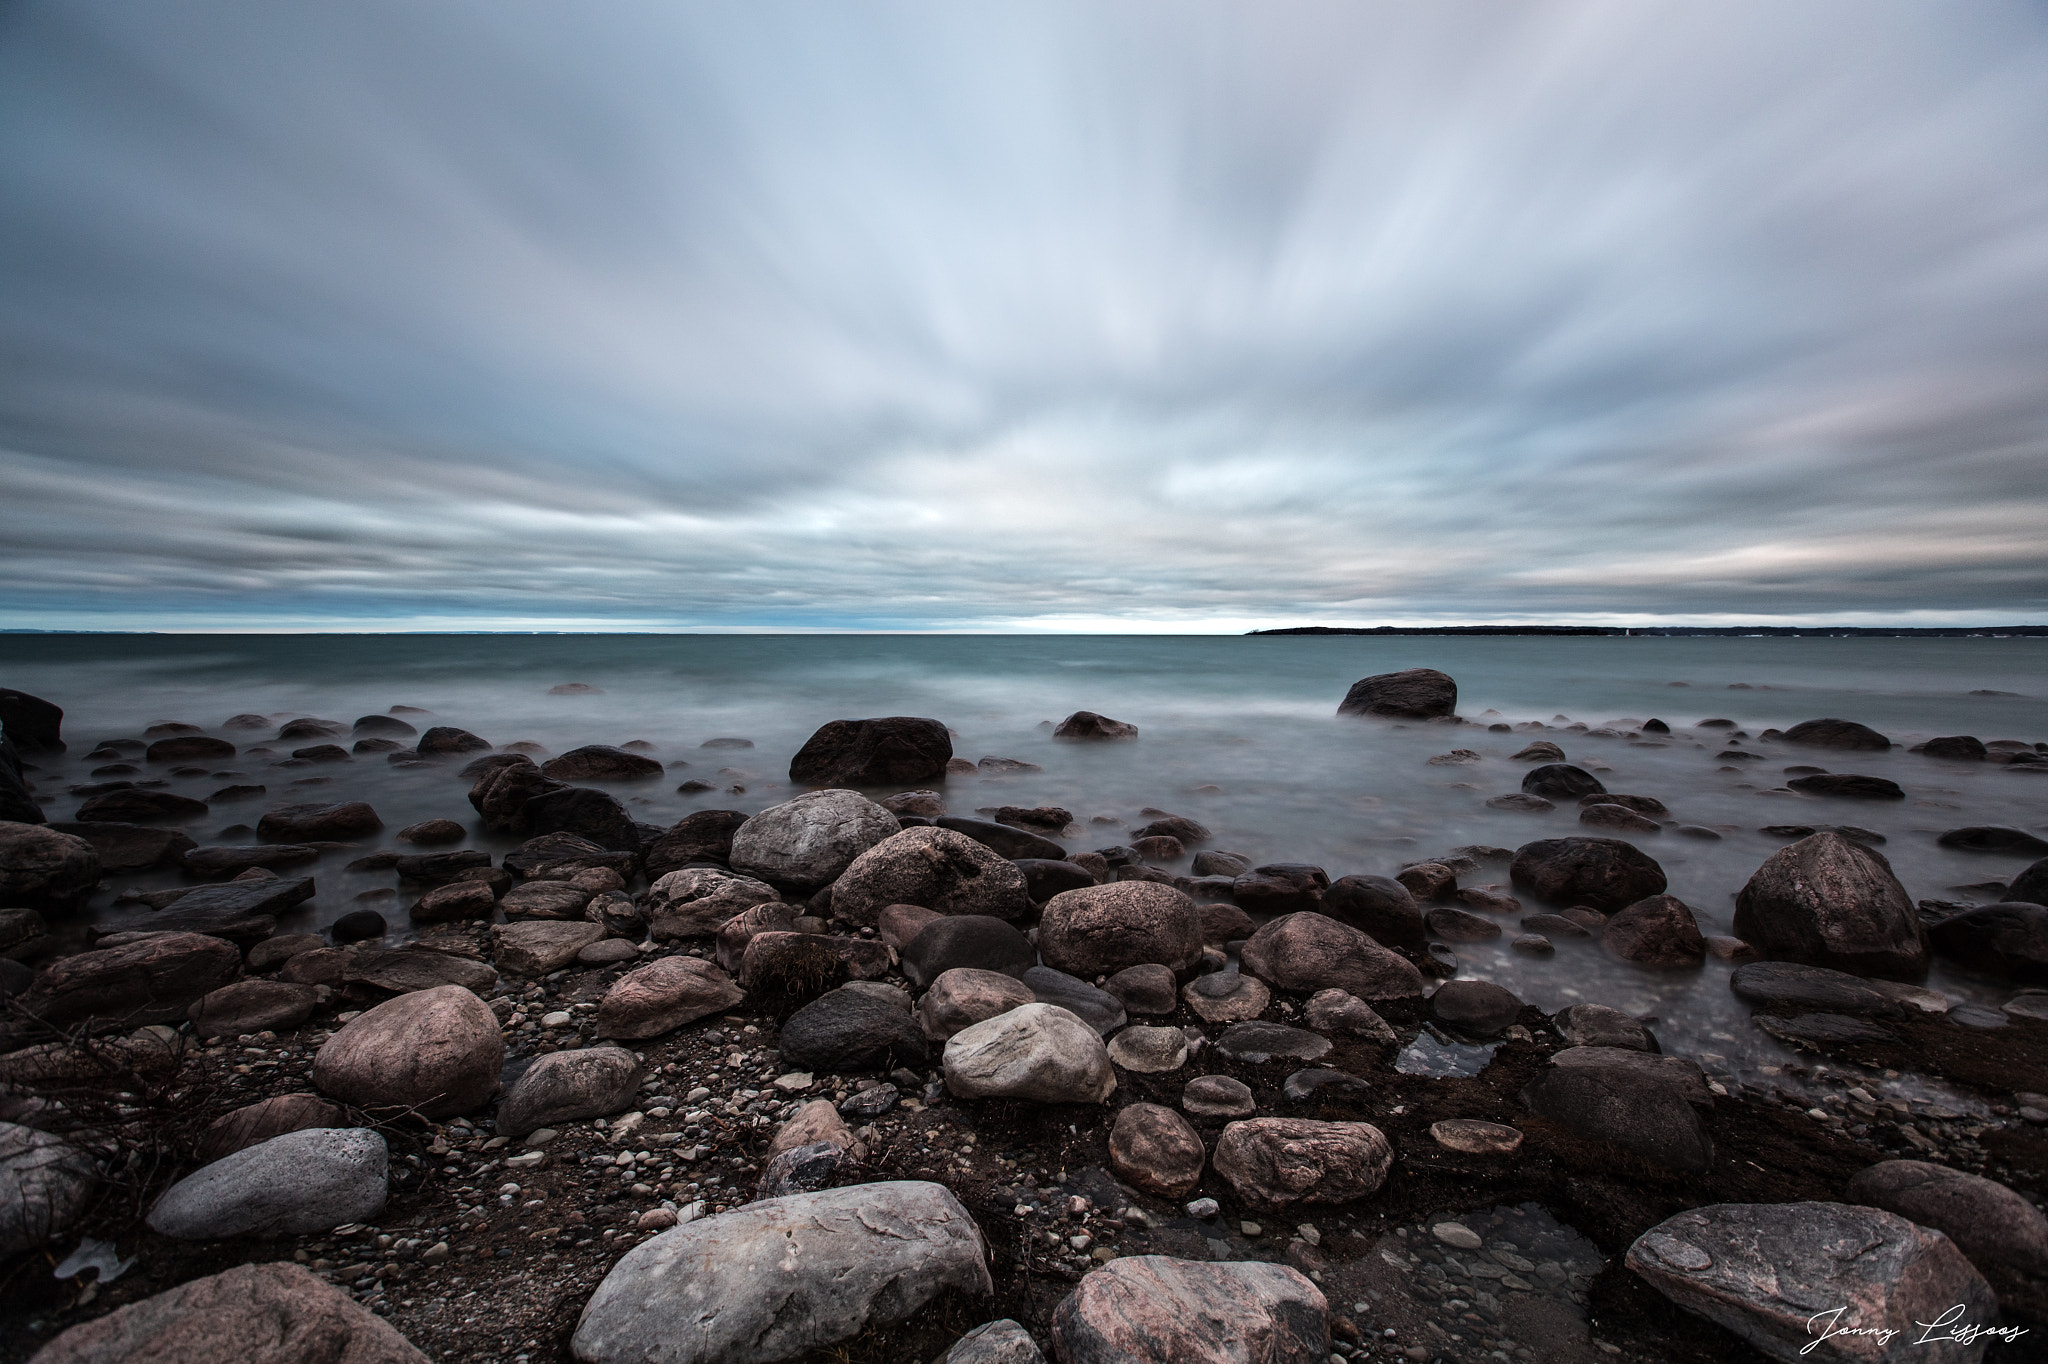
<point>1949,1326</point>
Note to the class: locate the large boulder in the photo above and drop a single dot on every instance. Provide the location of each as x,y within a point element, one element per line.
<point>44,1184</point>
<point>601,762</point>
<point>30,723</point>
<point>896,750</point>
<point>306,1181</point>
<point>2004,1235</point>
<point>852,1029</point>
<point>251,1314</point>
<point>1844,734</point>
<point>1782,1275</point>
<point>1099,930</point>
<point>2005,939</point>
<point>1380,907</point>
<point>1561,781</point>
<point>779,1278</point>
<point>1280,1162</point>
<point>2030,886</point>
<point>1658,931</point>
<point>701,836</point>
<point>316,823</point>
<point>1035,1051</point>
<point>1412,694</point>
<point>663,995</point>
<point>1157,1150</point>
<point>696,902</point>
<point>1154,1309</point>
<point>434,1051</point>
<point>1830,901</point>
<point>43,866</point>
<point>502,789</point>
<point>934,868</point>
<point>1601,873</point>
<point>970,940</point>
<point>568,1086</point>
<point>1085,726</point>
<point>585,811</point>
<point>151,980</point>
<point>1308,952</point>
<point>807,842</point>
<point>962,997</point>
<point>1643,1103</point>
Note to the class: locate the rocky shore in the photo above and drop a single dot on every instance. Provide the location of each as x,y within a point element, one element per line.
<point>882,1073</point>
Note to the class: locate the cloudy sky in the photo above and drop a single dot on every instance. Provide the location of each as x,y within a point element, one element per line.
<point>1184,316</point>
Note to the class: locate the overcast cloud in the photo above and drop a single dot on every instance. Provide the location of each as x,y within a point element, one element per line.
<point>1175,316</point>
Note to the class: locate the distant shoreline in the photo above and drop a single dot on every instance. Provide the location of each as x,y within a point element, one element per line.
<point>1686,631</point>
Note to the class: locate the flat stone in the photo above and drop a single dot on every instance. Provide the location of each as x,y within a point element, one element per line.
<point>1258,1042</point>
<point>1226,997</point>
<point>1218,1096</point>
<point>1476,1137</point>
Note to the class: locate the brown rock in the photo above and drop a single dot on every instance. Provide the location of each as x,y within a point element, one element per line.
<point>1339,1011</point>
<point>1086,725</point>
<point>2004,1234</point>
<point>405,970</point>
<point>601,762</point>
<point>1218,1096</point>
<point>317,966</point>
<point>1153,1309</point>
<point>272,953</point>
<point>1157,1150</point>
<point>1428,880</point>
<point>434,1051</point>
<point>40,866</point>
<point>898,750</point>
<point>663,995</point>
<point>432,832</point>
<point>964,996</point>
<point>816,1121</point>
<point>1279,1162</point>
<point>701,836</point>
<point>1223,923</point>
<point>1380,907</point>
<point>267,1118</point>
<point>1604,873</point>
<point>154,980</point>
<point>935,868</point>
<point>1843,734</point>
<point>735,933</point>
<point>1829,901</point>
<point>1646,1104</point>
<point>539,946</point>
<point>545,900</point>
<point>802,966</point>
<point>1659,931</point>
<point>1226,997</point>
<point>1620,817</point>
<point>316,823</point>
<point>899,925</point>
<point>252,1006</point>
<point>455,901</point>
<point>1310,952</point>
<point>696,902</point>
<point>132,847</point>
<point>1147,988</point>
<point>569,1086</point>
<point>1103,929</point>
<point>502,790</point>
<point>1413,694</point>
<point>1280,888</point>
<point>1461,925</point>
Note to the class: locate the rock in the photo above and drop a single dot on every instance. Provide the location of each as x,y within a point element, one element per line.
<point>601,762</point>
<point>1989,838</point>
<point>735,933</point>
<point>2007,939</point>
<point>435,1051</point>
<point>267,1118</point>
<point>1415,694</point>
<point>696,902</point>
<point>962,997</point>
<point>940,869</point>
<point>1643,1103</point>
<point>236,898</point>
<point>1223,923</point>
<point>1561,781</point>
<point>448,741</point>
<point>1087,725</point>
<point>1619,817</point>
<point>1310,952</point>
<point>995,1342</point>
<point>817,1121</point>
<point>2030,886</point>
<point>1659,931</point>
<point>783,1276</point>
<point>1475,1137</point>
<point>1174,826</point>
<point>1603,873</point>
<point>1045,877</point>
<point>537,947</point>
<point>1955,747</point>
<point>1099,1009</point>
<point>1214,862</point>
<point>1007,840</point>
<point>1541,751</point>
<point>807,842</point>
<point>1339,1011</point>
<point>569,1086</point>
<point>1847,786</point>
<point>1156,1150</point>
<point>389,725</point>
<point>503,788</point>
<point>1522,802</point>
<point>441,868</point>
<point>663,995</point>
<point>1276,1163</point>
<point>455,901</point>
<point>703,836</point>
<point>190,748</point>
<point>137,806</point>
<point>30,723</point>
<point>44,1184</point>
<point>1823,1031</point>
<point>1149,1051</point>
<point>1153,1309</point>
<point>1218,1096</point>
<point>17,806</point>
<point>850,1030</point>
<point>1596,1025</point>
<point>40,866</point>
<point>252,1006</point>
<point>300,1182</point>
<point>1828,901</point>
<point>408,970</point>
<point>1304,1084</point>
<point>315,823</point>
<point>584,811</point>
<point>1477,1007</point>
<point>801,1169</point>
<point>800,966</point>
<point>1159,849</point>
<point>2003,1234</point>
<point>137,847</point>
<point>1035,1051</point>
<point>1845,734</point>
<point>545,900</point>
<point>1256,1042</point>
<point>967,940</point>
<point>1427,880</point>
<point>1555,926</point>
<point>1226,997</point>
<point>1147,988</point>
<point>227,861</point>
<point>1491,899</point>
<point>608,952</point>
<point>317,966</point>
<point>924,804</point>
<point>154,980</point>
<point>1280,888</point>
<point>1380,907</point>
<point>358,925</point>
<point>1103,929</point>
<point>1780,1275</point>
<point>898,750</point>
<point>21,932</point>
<point>1793,985</point>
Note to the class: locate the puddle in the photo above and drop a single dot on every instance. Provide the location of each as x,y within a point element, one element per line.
<point>1440,1058</point>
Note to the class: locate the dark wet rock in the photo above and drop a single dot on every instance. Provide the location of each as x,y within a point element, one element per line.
<point>1226,997</point>
<point>1006,839</point>
<point>1147,988</point>
<point>2008,939</point>
<point>1658,931</point>
<point>1223,923</point>
<point>274,895</point>
<point>1618,817</point>
<point>850,1030</point>
<point>940,869</point>
<point>1036,1051</point>
<point>17,805</point>
<point>1214,862</point>
<point>319,753</point>
<point>1275,1163</point>
<point>2003,1234</point>
<point>1799,831</point>
<point>559,853</point>
<point>1554,926</point>
<point>1257,1042</point>
<point>1427,881</point>
<point>1155,1149</point>
<point>1828,901</point>
<point>1561,781</point>
<point>865,1105</point>
<point>267,1118</point>
<point>1218,1096</point>
<point>2030,886</point>
<point>502,785</point>
<point>153,980</point>
<point>1381,907</point>
<point>893,751</point>
<point>309,728</point>
<point>545,900</point>
<point>448,741</point>
<point>316,823</point>
<point>1153,1309</point>
<point>1310,952</point>
<point>1843,734</point>
<point>1338,1011</point>
<point>47,1183</point>
<point>1086,725</point>
<point>1306,1084</point>
<point>1541,751</point>
<point>1174,826</point>
<point>663,995</point>
<point>129,847</point>
<point>601,762</point>
<point>1847,786</point>
<point>1099,1009</point>
<point>30,723</point>
<point>1987,838</point>
<point>1763,1270</point>
<point>801,1169</point>
<point>973,940</point>
<point>1102,929</point>
<point>1821,1031</point>
<point>1643,1103</point>
<point>696,901</point>
<point>1596,1025</point>
<point>389,725</point>
<point>435,1051</point>
<point>1956,748</point>
<point>1045,877</point>
<point>962,997</point>
<point>1045,818</point>
<point>429,832</point>
<point>439,869</point>
<point>800,966</point>
<point>568,1086</point>
<point>584,811</point>
<point>1477,1007</point>
<point>190,748</point>
<point>1489,899</point>
<point>1159,849</point>
<point>1642,805</point>
<point>248,1006</point>
<point>1414,694</point>
<point>1603,873</point>
<point>702,836</point>
<point>1521,802</point>
<point>22,931</point>
<point>1795,985</point>
<point>137,806</point>
<point>1461,925</point>
<point>1281,888</point>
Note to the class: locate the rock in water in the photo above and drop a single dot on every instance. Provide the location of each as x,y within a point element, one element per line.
<point>1308,952</point>
<point>1596,1025</point>
<point>777,1278</point>
<point>601,762</point>
<point>567,1086</point>
<point>2005,939</point>
<point>1776,1273</point>
<point>898,750</point>
<point>1844,734</point>
<point>1659,931</point>
<point>1380,907</point>
<point>1644,1103</point>
<point>1035,1051</point>
<point>17,806</point>
<point>30,723</point>
<point>1416,694</point>
<point>1601,873</point>
<point>437,1051</point>
<point>1086,725</point>
<point>300,1182</point>
<point>314,823</point>
<point>1279,1162</point>
<point>933,868</point>
<point>1099,930</point>
<point>1828,901</point>
<point>40,866</point>
<point>807,842</point>
<point>1561,781</point>
<point>44,1184</point>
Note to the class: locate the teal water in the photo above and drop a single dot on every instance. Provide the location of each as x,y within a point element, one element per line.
<point>1237,732</point>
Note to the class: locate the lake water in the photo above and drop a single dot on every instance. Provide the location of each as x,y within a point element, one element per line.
<point>1239,733</point>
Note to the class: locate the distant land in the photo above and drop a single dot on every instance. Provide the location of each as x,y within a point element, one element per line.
<point>1687,631</point>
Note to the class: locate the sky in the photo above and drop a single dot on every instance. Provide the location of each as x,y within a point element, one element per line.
<point>1185,317</point>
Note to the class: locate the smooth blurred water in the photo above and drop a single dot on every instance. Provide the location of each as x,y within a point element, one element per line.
<point>1253,717</point>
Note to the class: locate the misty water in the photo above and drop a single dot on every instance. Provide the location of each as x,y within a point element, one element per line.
<point>1240,733</point>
